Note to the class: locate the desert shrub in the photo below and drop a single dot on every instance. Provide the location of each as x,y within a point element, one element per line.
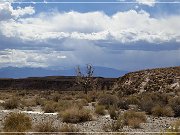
<point>100,109</point>
<point>50,107</point>
<point>17,122</point>
<point>115,126</point>
<point>75,115</point>
<point>46,126</point>
<point>147,104</point>
<point>68,128</point>
<point>112,112</point>
<point>162,111</point>
<point>11,103</point>
<point>39,101</point>
<point>132,118</point>
<point>56,96</point>
<point>123,104</point>
<point>133,100</point>
<point>108,100</point>
<point>28,102</point>
<point>64,104</point>
<point>175,104</point>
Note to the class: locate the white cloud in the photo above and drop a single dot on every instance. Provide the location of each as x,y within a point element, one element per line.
<point>32,58</point>
<point>7,11</point>
<point>150,3</point>
<point>128,26</point>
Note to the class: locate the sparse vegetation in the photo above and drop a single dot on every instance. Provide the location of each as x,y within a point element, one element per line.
<point>162,111</point>
<point>112,112</point>
<point>46,126</point>
<point>75,115</point>
<point>11,103</point>
<point>175,104</point>
<point>100,109</point>
<point>132,118</point>
<point>108,100</point>
<point>17,122</point>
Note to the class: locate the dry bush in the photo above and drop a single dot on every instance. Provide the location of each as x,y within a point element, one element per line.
<point>46,126</point>
<point>17,122</point>
<point>39,101</point>
<point>11,103</point>
<point>50,107</point>
<point>123,104</point>
<point>108,100</point>
<point>115,126</point>
<point>147,104</point>
<point>28,102</point>
<point>68,128</point>
<point>112,112</point>
<point>56,97</point>
<point>64,104</point>
<point>162,111</point>
<point>75,115</point>
<point>175,104</point>
<point>100,109</point>
<point>133,100</point>
<point>132,118</point>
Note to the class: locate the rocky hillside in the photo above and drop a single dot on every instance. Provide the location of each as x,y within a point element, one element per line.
<point>158,80</point>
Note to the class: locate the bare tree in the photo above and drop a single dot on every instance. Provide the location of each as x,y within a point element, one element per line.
<point>86,80</point>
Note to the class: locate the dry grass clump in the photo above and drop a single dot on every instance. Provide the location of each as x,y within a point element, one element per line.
<point>50,107</point>
<point>17,122</point>
<point>68,128</point>
<point>133,100</point>
<point>46,126</point>
<point>162,111</point>
<point>11,103</point>
<point>100,109</point>
<point>132,118</point>
<point>75,115</point>
<point>108,100</point>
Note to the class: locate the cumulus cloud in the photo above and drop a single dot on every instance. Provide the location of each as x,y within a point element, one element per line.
<point>7,11</point>
<point>31,58</point>
<point>128,26</point>
<point>150,3</point>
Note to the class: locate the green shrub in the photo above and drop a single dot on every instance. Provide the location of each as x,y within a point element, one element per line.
<point>46,126</point>
<point>75,115</point>
<point>175,105</point>
<point>100,109</point>
<point>108,100</point>
<point>162,111</point>
<point>11,103</point>
<point>17,122</point>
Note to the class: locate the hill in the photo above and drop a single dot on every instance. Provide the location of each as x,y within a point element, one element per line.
<point>152,80</point>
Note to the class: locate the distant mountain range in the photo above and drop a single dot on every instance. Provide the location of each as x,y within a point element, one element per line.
<point>15,72</point>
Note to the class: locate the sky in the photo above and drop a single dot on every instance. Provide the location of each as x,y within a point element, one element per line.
<point>121,34</point>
